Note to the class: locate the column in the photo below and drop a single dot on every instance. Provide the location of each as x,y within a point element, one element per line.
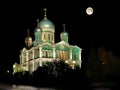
<point>33,65</point>
<point>33,61</point>
<point>33,54</point>
<point>40,52</point>
<point>54,53</point>
<point>80,61</point>
<point>40,55</point>
<point>40,62</point>
<point>22,57</point>
<point>27,60</point>
<point>53,38</point>
<point>70,53</point>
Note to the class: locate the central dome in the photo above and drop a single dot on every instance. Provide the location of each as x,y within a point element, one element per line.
<point>46,25</point>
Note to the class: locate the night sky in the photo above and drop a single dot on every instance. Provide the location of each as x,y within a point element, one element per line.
<point>84,30</point>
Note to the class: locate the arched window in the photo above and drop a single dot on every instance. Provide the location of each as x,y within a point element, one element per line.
<point>36,53</point>
<point>24,57</point>
<point>59,54</point>
<point>46,53</point>
<point>43,53</point>
<point>52,37</point>
<point>66,54</point>
<point>48,36</point>
<point>50,53</point>
<point>63,54</point>
<point>44,36</point>
<point>30,55</point>
<point>75,56</point>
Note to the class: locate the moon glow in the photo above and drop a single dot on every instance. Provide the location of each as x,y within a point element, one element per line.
<point>89,10</point>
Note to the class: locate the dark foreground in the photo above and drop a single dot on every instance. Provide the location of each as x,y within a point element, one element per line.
<point>60,76</point>
<point>27,87</point>
<point>22,87</point>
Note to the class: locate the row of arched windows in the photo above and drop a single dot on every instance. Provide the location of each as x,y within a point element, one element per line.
<point>47,53</point>
<point>47,36</point>
<point>62,54</point>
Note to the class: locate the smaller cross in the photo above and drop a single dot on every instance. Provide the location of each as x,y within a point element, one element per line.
<point>45,11</point>
<point>64,27</point>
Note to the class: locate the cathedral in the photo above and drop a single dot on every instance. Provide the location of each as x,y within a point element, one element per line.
<point>44,49</point>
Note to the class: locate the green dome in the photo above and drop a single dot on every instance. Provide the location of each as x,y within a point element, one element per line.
<point>37,29</point>
<point>46,25</point>
<point>64,33</point>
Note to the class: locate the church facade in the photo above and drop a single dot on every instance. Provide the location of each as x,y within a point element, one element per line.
<point>44,49</point>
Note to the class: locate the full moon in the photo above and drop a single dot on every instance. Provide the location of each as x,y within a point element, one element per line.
<point>89,10</point>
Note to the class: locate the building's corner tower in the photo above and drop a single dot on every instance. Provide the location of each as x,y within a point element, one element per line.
<point>38,34</point>
<point>64,35</point>
<point>28,41</point>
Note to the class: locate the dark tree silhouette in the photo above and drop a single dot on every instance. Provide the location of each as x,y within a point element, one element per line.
<point>94,70</point>
<point>56,74</point>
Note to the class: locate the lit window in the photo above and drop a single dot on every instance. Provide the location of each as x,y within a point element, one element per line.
<point>48,36</point>
<point>74,56</point>
<point>52,37</point>
<point>44,36</point>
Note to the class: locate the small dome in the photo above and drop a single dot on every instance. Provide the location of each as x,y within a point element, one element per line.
<point>46,25</point>
<point>28,38</point>
<point>64,33</point>
<point>37,29</point>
